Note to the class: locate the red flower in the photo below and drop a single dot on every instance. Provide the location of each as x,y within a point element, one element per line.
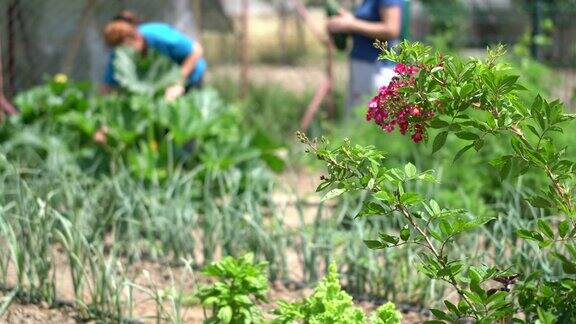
<point>404,69</point>
<point>391,106</point>
<point>401,68</point>
<point>415,111</point>
<point>417,137</point>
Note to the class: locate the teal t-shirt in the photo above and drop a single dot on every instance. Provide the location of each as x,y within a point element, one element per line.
<point>169,42</point>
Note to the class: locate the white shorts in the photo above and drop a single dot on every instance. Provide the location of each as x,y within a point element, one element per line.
<point>365,80</point>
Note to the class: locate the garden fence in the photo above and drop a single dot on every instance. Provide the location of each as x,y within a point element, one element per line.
<point>44,37</point>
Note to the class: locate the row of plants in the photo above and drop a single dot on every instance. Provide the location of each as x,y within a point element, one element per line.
<point>153,136</point>
<point>241,283</point>
<point>473,100</point>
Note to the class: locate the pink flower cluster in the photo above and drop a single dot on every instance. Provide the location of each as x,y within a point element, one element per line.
<point>390,108</point>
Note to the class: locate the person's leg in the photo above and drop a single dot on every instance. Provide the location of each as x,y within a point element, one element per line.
<point>360,85</point>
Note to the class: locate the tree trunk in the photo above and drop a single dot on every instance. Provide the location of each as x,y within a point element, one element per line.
<point>72,54</point>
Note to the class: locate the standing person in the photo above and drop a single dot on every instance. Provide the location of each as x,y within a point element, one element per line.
<point>126,30</point>
<point>373,20</point>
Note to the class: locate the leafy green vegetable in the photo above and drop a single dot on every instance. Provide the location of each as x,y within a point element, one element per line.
<point>148,75</point>
<point>241,284</point>
<point>328,304</point>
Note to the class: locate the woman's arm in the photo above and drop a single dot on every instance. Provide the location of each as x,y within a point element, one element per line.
<point>189,62</point>
<point>388,28</point>
<point>186,68</point>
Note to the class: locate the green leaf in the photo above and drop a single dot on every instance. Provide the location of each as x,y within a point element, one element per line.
<point>144,75</point>
<point>530,235</point>
<point>410,170</point>
<point>437,69</point>
<point>371,184</point>
<point>545,317</point>
<point>410,198</point>
<point>435,208</point>
<point>242,299</point>
<point>479,144</point>
<point>462,151</point>
<point>568,266</point>
<point>323,185</point>
<point>440,314</point>
<point>437,123</point>
<point>333,194</point>
<point>439,141</point>
<point>446,228</point>
<point>539,202</point>
<point>389,238</point>
<point>225,314</point>
<point>505,169</point>
<point>452,308</point>
<point>375,245</point>
<point>405,233</point>
<point>384,196</point>
<point>274,162</point>
<point>469,136</point>
<point>564,228</point>
<point>545,228</point>
<point>373,208</point>
<point>497,297</point>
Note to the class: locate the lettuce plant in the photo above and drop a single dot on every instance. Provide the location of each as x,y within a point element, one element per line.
<point>386,314</point>
<point>328,304</point>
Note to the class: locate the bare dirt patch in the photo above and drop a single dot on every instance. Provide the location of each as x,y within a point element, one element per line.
<point>29,313</point>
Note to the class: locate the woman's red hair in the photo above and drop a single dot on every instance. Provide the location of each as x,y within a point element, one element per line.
<point>117,32</point>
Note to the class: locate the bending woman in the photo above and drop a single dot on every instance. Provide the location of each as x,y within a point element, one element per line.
<point>124,30</point>
<point>373,20</point>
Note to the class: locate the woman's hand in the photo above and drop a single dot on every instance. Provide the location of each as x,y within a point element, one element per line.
<point>343,23</point>
<point>174,92</point>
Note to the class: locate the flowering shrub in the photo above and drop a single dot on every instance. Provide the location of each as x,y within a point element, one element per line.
<point>472,99</point>
<point>390,107</point>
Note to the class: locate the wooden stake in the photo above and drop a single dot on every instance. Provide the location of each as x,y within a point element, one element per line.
<point>283,17</point>
<point>5,105</point>
<point>245,70</point>
<point>314,105</point>
<point>197,10</point>
<point>325,92</point>
<point>11,47</point>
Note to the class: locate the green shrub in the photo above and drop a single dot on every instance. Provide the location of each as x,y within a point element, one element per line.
<point>473,100</point>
